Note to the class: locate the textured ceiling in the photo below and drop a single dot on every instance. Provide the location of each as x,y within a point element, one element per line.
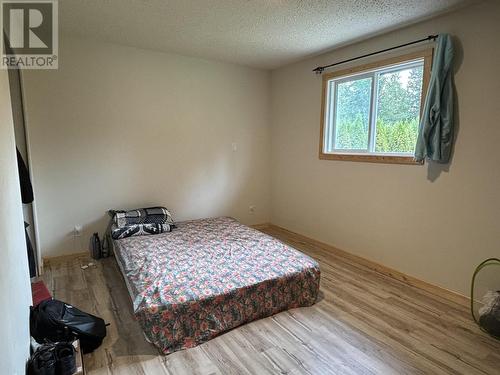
<point>258,33</point>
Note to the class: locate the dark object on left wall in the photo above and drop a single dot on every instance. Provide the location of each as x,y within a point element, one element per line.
<point>31,253</point>
<point>54,359</point>
<point>24,180</point>
<point>54,321</point>
<point>26,198</point>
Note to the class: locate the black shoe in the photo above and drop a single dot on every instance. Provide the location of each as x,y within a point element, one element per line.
<point>43,361</point>
<point>66,358</point>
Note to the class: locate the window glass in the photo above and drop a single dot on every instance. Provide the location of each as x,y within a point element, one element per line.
<point>398,110</point>
<point>352,114</point>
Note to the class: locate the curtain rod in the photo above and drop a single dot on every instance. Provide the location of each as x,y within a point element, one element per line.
<point>320,69</point>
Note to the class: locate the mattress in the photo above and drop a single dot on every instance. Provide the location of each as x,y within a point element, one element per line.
<point>208,276</point>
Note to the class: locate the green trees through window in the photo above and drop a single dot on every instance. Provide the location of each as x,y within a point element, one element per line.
<point>393,114</point>
<point>352,114</point>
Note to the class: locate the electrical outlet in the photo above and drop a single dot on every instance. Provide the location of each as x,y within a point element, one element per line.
<point>77,231</point>
<point>251,209</point>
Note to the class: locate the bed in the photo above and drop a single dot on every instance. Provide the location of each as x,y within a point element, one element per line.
<point>208,276</point>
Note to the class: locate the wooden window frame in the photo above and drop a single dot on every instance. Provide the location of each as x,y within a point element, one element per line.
<point>426,55</point>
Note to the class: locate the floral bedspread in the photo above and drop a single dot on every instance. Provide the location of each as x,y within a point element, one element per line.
<point>211,275</point>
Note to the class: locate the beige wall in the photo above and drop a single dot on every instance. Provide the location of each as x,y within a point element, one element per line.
<point>15,288</point>
<point>430,222</point>
<point>118,127</point>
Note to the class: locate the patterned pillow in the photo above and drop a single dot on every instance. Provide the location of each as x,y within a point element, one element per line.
<point>150,215</point>
<point>138,230</point>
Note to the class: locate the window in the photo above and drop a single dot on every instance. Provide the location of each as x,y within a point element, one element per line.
<point>372,112</point>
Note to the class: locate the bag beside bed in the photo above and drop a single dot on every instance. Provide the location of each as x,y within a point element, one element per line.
<point>140,222</point>
<point>54,321</point>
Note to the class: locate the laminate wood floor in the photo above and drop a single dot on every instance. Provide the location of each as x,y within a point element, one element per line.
<point>363,323</point>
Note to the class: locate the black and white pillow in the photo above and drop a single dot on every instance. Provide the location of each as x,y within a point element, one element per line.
<point>150,215</point>
<point>138,230</point>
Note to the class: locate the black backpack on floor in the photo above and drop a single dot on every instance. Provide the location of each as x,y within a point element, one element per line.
<point>54,321</point>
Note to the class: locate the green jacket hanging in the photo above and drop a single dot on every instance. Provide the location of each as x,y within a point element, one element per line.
<point>435,136</point>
